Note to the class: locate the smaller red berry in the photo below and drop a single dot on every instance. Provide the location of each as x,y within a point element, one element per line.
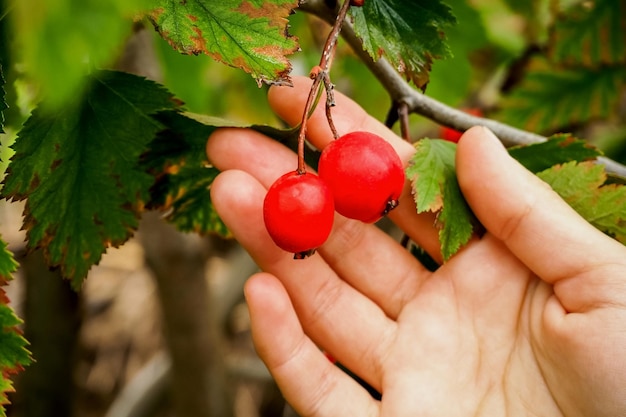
<point>298,212</point>
<point>365,175</point>
<point>449,134</point>
<point>357,3</point>
<point>452,135</point>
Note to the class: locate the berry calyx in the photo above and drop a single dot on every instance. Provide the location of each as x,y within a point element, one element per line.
<point>298,211</point>
<point>365,175</point>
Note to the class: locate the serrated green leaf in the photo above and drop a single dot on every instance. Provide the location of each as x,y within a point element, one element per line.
<point>590,34</point>
<point>247,34</point>
<point>14,354</point>
<point>77,167</point>
<point>550,97</point>
<point>435,188</point>
<point>558,149</point>
<point>582,186</point>
<point>456,218</point>
<point>8,265</point>
<point>177,157</point>
<point>409,34</point>
<point>429,168</point>
<point>60,41</point>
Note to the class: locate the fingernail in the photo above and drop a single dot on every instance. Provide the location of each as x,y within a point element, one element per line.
<point>489,135</point>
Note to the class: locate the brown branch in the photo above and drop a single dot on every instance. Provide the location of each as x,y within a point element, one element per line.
<point>403,115</point>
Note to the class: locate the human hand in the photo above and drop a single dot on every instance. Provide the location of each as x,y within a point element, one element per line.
<point>529,319</point>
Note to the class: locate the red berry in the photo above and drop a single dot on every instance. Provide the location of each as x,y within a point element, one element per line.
<point>364,174</point>
<point>452,135</point>
<point>298,211</point>
<point>357,3</point>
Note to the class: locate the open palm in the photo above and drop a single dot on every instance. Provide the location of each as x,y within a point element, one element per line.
<point>528,319</point>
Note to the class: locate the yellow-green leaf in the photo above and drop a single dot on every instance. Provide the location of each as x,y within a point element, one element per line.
<point>582,186</point>
<point>435,188</point>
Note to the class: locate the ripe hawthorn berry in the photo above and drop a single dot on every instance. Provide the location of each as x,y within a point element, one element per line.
<point>364,174</point>
<point>357,3</point>
<point>298,211</point>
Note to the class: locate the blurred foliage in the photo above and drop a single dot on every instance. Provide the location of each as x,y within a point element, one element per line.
<point>574,78</point>
<point>58,41</point>
<point>178,161</point>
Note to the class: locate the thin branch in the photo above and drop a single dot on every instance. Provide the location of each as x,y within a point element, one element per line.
<point>402,92</point>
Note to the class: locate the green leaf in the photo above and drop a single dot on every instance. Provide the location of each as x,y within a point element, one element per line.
<point>14,354</point>
<point>8,265</point>
<point>247,34</point>
<point>77,168</point>
<point>582,186</point>
<point>550,97</point>
<point>590,34</point>
<point>558,149</point>
<point>60,40</point>
<point>3,103</point>
<point>409,34</point>
<point>177,158</point>
<point>537,16</point>
<point>435,188</point>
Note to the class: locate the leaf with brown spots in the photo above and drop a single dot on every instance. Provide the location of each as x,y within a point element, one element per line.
<point>251,35</point>
<point>77,168</point>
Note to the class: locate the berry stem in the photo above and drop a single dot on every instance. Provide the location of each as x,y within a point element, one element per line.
<point>305,117</point>
<point>319,75</point>
<point>403,115</point>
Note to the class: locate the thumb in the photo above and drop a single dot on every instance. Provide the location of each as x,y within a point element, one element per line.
<point>543,231</point>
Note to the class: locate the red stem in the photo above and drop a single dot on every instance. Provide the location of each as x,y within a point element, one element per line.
<point>319,74</point>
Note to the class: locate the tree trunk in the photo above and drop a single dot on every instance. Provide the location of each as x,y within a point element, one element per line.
<point>52,321</point>
<point>199,384</point>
